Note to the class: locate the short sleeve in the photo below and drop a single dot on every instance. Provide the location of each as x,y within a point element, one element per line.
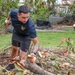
<point>32,32</point>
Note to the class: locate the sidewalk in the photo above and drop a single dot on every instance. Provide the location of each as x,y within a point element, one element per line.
<point>56,29</point>
<point>53,30</point>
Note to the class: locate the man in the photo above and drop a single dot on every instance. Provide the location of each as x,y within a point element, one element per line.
<point>23,33</point>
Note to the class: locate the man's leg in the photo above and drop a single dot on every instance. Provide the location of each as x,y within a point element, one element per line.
<point>14,53</point>
<point>24,45</point>
<point>23,56</point>
<point>15,49</point>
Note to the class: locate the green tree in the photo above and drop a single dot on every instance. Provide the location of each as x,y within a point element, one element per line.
<point>41,9</point>
<point>5,7</point>
<point>72,7</point>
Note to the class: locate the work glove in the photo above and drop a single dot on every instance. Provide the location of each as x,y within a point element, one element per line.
<point>32,57</point>
<point>7,22</point>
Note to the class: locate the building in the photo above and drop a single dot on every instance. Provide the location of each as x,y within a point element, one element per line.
<point>66,2</point>
<point>63,7</point>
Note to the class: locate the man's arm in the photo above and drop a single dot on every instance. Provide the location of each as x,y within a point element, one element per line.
<point>7,21</point>
<point>35,42</point>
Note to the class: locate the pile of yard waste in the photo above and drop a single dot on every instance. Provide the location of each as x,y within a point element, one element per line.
<point>57,61</point>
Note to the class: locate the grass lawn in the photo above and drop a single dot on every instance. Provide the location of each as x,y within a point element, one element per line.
<point>53,39</point>
<point>5,40</point>
<point>46,39</point>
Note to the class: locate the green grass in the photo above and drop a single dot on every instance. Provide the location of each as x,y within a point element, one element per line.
<point>5,40</point>
<point>53,39</point>
<point>46,39</point>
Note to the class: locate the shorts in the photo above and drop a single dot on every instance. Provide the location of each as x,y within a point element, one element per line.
<point>22,42</point>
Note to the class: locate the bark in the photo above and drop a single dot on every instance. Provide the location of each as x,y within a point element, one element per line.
<point>33,67</point>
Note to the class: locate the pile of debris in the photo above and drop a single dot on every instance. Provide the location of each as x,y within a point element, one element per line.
<point>57,62</point>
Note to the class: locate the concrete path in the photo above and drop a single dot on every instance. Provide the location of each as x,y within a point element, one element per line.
<point>53,30</point>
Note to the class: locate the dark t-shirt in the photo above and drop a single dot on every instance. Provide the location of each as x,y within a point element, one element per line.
<point>21,29</point>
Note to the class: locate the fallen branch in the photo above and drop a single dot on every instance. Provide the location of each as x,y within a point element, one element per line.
<point>33,67</point>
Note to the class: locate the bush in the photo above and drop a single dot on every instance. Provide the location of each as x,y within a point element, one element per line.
<point>69,18</point>
<point>5,7</point>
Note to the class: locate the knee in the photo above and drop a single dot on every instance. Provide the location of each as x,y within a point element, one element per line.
<point>15,48</point>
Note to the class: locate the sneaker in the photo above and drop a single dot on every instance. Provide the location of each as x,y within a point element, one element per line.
<point>10,67</point>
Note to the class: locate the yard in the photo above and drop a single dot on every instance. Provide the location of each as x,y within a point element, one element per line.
<point>56,53</point>
<point>52,46</point>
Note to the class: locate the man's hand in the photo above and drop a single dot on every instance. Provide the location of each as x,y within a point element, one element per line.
<point>7,22</point>
<point>32,57</point>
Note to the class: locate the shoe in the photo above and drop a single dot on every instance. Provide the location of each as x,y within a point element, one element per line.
<point>10,67</point>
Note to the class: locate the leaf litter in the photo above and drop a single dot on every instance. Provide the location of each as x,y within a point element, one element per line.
<point>56,61</point>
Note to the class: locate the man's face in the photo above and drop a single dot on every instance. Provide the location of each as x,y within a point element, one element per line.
<point>23,17</point>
